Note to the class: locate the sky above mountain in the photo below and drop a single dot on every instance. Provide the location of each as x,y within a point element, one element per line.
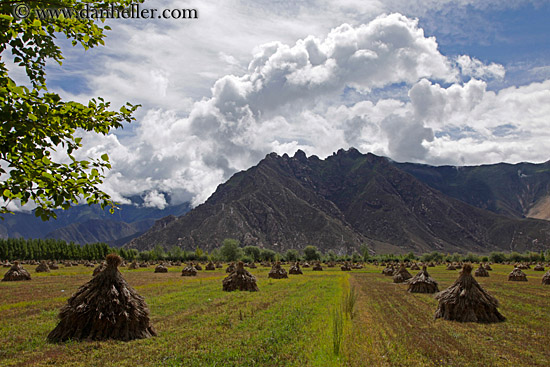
<point>439,82</point>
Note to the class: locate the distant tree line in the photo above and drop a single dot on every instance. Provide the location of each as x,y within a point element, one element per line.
<point>231,250</point>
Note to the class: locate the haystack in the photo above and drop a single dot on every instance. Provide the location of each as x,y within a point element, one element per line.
<point>42,267</point>
<point>277,272</point>
<point>160,268</point>
<point>16,273</point>
<point>252,265</point>
<point>467,301</point>
<point>451,267</point>
<point>517,276</point>
<point>133,265</point>
<point>295,269</point>
<point>230,268</point>
<point>198,266</point>
<point>316,267</point>
<point>422,283</point>
<point>402,275</point>
<point>415,267</point>
<point>240,279</point>
<point>546,278</point>
<point>218,265</point>
<point>488,267</point>
<point>306,265</point>
<point>104,308</point>
<point>538,267</point>
<point>189,271</point>
<point>481,271</point>
<point>99,269</point>
<point>388,270</point>
<point>345,267</point>
<point>53,266</point>
<point>210,266</point>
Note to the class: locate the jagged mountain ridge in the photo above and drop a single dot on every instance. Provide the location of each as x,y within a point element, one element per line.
<point>339,203</point>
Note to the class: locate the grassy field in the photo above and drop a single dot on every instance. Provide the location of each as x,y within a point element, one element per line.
<point>290,322</point>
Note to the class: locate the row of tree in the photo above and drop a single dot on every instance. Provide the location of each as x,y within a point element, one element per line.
<point>230,250</point>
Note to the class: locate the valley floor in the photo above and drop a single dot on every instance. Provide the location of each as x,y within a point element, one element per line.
<point>290,322</point>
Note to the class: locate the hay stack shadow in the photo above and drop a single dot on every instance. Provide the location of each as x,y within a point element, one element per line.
<point>106,307</point>
<point>467,301</point>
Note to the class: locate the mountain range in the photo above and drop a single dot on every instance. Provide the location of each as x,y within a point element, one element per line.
<point>350,199</point>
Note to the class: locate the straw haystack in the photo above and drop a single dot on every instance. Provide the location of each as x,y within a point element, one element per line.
<point>277,272</point>
<point>99,269</point>
<point>189,271</point>
<point>415,266</point>
<point>517,276</point>
<point>451,267</point>
<point>402,275</point>
<point>546,278</point>
<point>252,265</point>
<point>230,268</point>
<point>481,271</point>
<point>345,267</point>
<point>16,273</point>
<point>467,301</point>
<point>42,267</point>
<point>316,267</point>
<point>422,283</point>
<point>160,268</point>
<point>104,308</point>
<point>240,279</point>
<point>538,267</point>
<point>133,265</point>
<point>388,270</point>
<point>295,269</point>
<point>210,266</point>
<point>198,266</point>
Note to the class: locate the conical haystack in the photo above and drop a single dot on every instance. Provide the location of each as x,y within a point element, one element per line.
<point>277,272</point>
<point>538,267</point>
<point>451,267</point>
<point>402,275</point>
<point>316,267</point>
<point>189,271</point>
<point>42,267</point>
<point>16,273</point>
<point>481,271</point>
<point>198,266</point>
<point>160,268</point>
<point>415,266</point>
<point>99,269</point>
<point>467,301</point>
<point>345,267</point>
<point>252,265</point>
<point>388,270</point>
<point>104,308</point>
<point>133,266</point>
<point>517,276</point>
<point>230,268</point>
<point>210,266</point>
<point>295,269</point>
<point>422,283</point>
<point>488,267</point>
<point>546,278</point>
<point>240,279</point>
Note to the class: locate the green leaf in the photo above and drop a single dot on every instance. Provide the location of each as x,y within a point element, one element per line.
<point>105,157</point>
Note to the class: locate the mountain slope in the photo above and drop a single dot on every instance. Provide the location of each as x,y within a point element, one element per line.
<point>339,203</point>
<point>516,190</point>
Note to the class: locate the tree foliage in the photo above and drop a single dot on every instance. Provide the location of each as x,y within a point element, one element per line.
<point>35,123</point>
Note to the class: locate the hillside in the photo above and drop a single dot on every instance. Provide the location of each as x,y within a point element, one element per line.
<point>339,203</point>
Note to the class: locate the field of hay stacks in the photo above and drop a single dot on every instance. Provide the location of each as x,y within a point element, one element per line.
<point>305,320</point>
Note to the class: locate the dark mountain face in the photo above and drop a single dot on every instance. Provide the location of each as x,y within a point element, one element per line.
<point>340,203</point>
<point>516,190</point>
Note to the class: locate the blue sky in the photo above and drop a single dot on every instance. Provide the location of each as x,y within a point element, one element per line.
<point>432,81</point>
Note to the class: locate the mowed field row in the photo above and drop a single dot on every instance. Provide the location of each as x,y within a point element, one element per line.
<point>290,322</point>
